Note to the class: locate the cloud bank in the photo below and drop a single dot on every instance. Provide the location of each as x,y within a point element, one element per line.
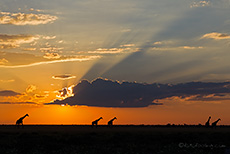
<point>108,93</point>
<point>19,60</point>
<point>31,88</point>
<point>127,48</point>
<point>25,19</point>
<point>52,56</point>
<point>13,41</point>
<point>8,93</point>
<point>63,77</point>
<point>200,4</point>
<point>216,36</point>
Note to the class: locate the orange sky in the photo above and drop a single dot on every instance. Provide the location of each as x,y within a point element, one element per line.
<point>175,111</point>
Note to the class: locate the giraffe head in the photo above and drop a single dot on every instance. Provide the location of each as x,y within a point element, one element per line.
<point>100,118</point>
<point>115,118</point>
<point>27,115</point>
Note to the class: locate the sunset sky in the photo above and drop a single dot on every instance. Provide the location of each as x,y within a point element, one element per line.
<point>145,62</point>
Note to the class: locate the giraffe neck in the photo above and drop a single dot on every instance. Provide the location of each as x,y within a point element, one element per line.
<point>24,116</point>
<point>216,121</point>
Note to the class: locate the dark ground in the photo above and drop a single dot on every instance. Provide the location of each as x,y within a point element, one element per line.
<point>76,139</point>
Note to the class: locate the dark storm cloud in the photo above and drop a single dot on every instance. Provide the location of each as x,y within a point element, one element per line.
<point>108,93</point>
<point>8,93</point>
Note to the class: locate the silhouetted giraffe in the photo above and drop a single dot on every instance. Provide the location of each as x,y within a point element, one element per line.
<point>94,123</point>
<point>110,122</point>
<point>215,122</point>
<point>20,120</point>
<point>207,124</point>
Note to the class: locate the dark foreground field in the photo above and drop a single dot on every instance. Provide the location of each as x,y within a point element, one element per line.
<point>117,140</point>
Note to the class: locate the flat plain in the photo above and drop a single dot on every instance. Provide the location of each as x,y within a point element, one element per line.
<point>119,139</point>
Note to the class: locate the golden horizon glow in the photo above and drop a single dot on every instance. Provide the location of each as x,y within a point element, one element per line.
<point>193,113</point>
